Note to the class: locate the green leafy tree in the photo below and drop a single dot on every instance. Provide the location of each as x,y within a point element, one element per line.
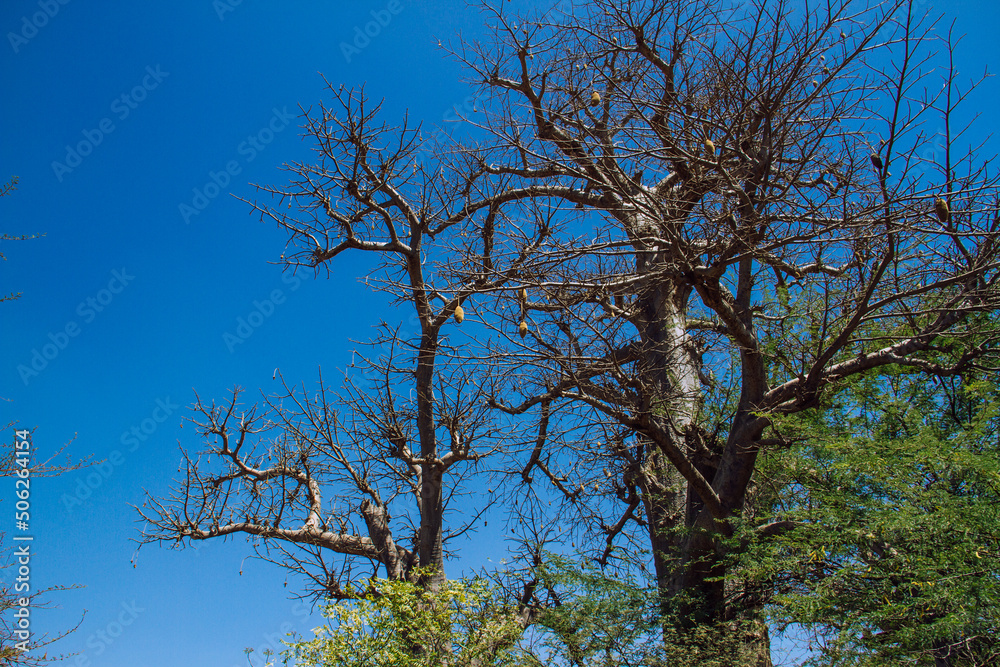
<point>892,509</point>
<point>593,618</point>
<point>397,623</point>
<point>589,619</point>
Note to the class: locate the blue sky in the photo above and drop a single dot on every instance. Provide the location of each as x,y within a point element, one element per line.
<point>129,296</point>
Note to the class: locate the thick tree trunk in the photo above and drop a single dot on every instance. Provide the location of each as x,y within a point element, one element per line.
<point>683,536</point>
<point>429,541</point>
<point>666,377</point>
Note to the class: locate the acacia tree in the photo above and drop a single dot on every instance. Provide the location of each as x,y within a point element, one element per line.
<point>894,493</point>
<point>674,224</point>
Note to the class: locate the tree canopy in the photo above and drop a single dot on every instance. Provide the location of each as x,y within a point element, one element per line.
<point>673,231</point>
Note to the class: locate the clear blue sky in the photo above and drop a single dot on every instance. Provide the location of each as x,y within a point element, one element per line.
<point>164,95</point>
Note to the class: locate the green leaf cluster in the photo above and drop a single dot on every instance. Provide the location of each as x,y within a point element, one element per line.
<point>398,623</point>
<point>894,492</point>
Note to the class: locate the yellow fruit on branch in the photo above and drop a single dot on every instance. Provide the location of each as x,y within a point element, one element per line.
<point>710,146</point>
<point>459,314</point>
<point>522,328</point>
<point>595,98</point>
<point>942,210</point>
<point>524,295</point>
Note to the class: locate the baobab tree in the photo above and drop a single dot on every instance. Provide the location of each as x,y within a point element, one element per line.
<point>754,208</point>
<point>673,225</point>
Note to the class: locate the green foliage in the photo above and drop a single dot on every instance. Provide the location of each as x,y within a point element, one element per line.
<point>598,620</point>
<point>896,497</point>
<point>400,624</point>
<point>593,620</point>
